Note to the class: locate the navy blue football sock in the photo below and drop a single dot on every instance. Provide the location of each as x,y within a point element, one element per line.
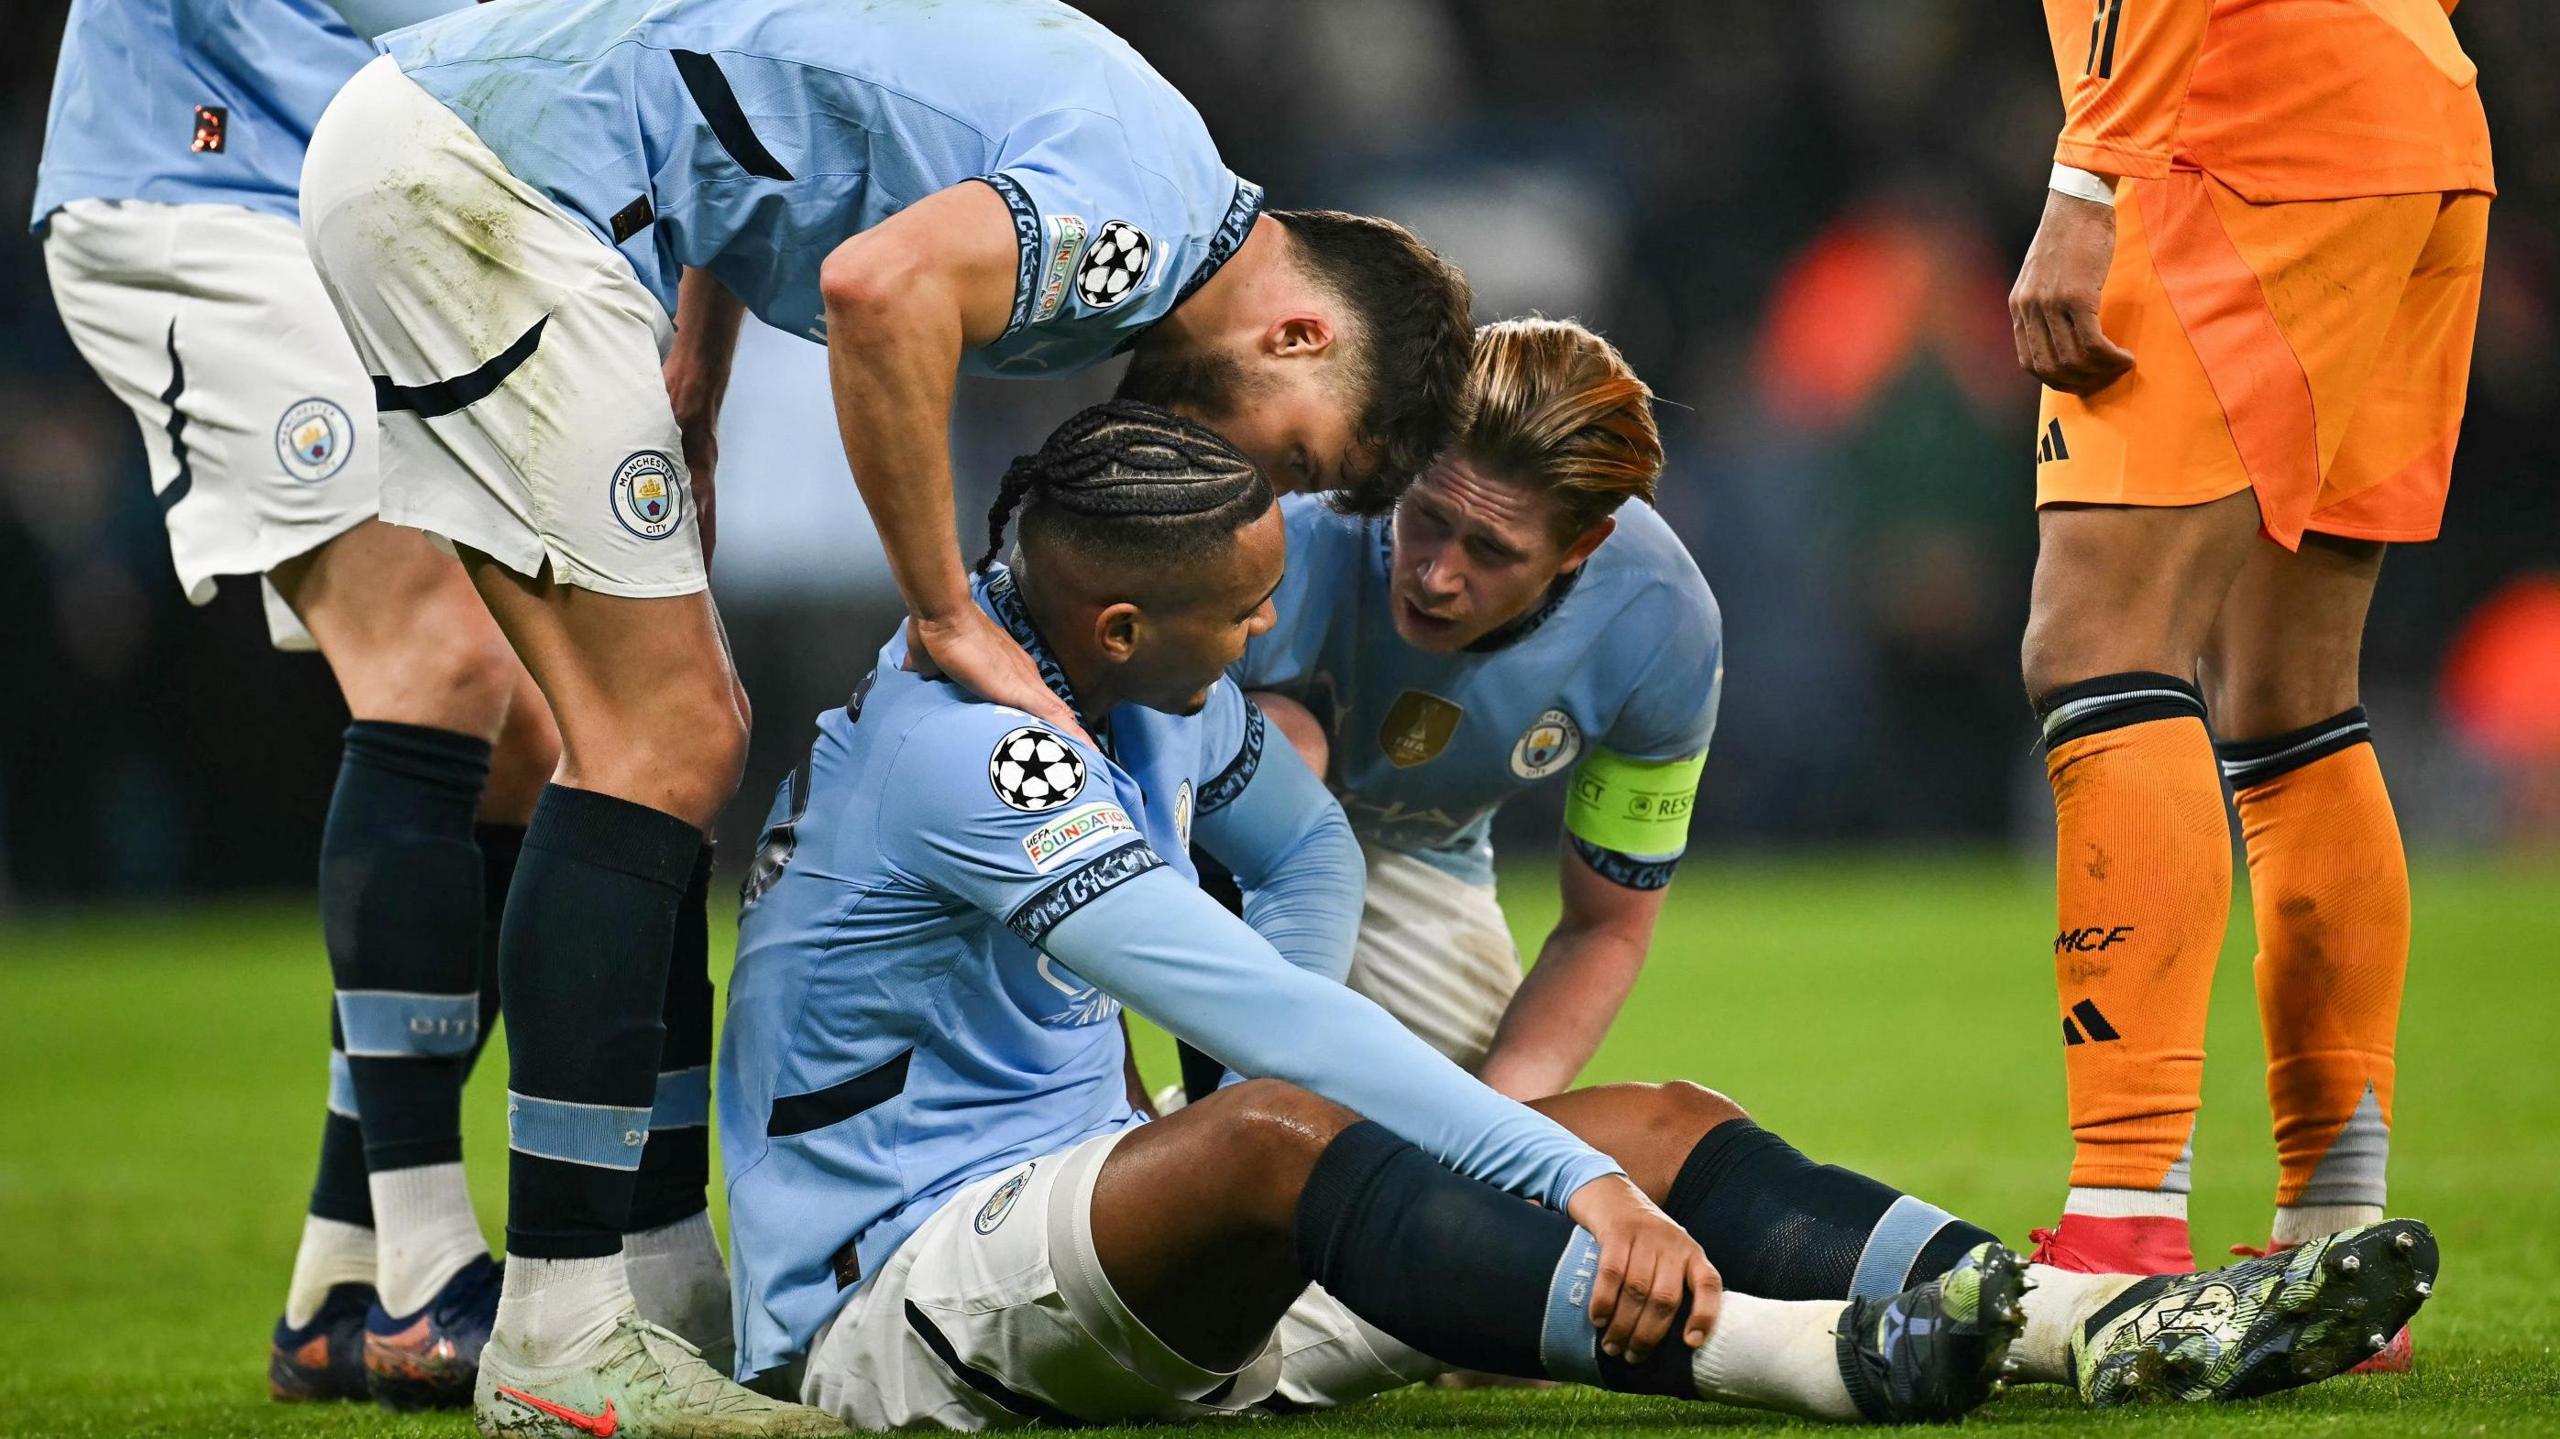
<point>400,903</point>
<point>583,961</point>
<point>499,846</point>
<point>675,1168</point>
<point>1777,1225</point>
<point>1463,1271</point>
<point>339,1191</point>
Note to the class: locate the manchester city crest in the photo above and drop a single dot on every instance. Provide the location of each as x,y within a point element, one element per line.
<point>1000,1203</point>
<point>648,495</point>
<point>1547,746</point>
<point>314,439</point>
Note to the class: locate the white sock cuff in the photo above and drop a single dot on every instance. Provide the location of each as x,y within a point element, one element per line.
<point>2125,1203</point>
<point>691,1233</point>
<point>2301,1223</point>
<point>331,1253</point>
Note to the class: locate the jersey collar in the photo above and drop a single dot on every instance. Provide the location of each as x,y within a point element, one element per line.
<point>1004,601</point>
<point>1521,628</point>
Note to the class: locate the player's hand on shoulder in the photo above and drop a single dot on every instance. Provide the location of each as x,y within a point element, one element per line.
<point>2053,309</point>
<point>973,651</point>
<point>1648,1263</point>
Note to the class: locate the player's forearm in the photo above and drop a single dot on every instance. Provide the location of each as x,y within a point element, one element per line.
<point>705,348</point>
<point>893,361</point>
<point>1171,953</point>
<point>1563,1010</point>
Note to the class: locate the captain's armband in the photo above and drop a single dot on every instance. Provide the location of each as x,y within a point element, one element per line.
<point>1633,806</point>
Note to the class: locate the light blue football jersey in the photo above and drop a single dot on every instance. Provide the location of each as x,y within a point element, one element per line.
<point>949,907</point>
<point>1628,654</point>
<point>185,102</point>
<point>751,137</point>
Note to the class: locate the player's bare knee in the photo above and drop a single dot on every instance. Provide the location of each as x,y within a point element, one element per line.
<point>1276,1130</point>
<point>1696,1107</point>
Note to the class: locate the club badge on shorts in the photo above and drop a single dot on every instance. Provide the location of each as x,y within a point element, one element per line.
<point>314,439</point>
<point>1548,745</point>
<point>647,495</point>
<point>1000,1203</point>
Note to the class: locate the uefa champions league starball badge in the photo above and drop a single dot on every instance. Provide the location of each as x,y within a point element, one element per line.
<point>646,496</point>
<point>1114,266</point>
<point>314,439</point>
<point>1035,770</point>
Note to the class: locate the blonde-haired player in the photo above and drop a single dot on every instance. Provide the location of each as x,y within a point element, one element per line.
<point>1524,616</point>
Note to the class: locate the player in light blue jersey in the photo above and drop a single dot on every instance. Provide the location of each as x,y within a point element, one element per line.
<point>949,1212</point>
<point>1524,616</point>
<point>166,202</point>
<point>542,220</point>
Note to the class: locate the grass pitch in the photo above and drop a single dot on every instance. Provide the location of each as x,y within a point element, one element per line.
<point>162,1077</point>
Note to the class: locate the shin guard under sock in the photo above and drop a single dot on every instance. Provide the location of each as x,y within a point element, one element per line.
<point>1777,1225</point>
<point>2142,877</point>
<point>2329,888</point>
<point>1462,1271</point>
<point>675,1168</point>
<point>583,965</point>
<point>400,903</point>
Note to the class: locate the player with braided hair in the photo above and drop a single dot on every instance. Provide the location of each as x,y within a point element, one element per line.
<point>997,187</point>
<point>947,1211</point>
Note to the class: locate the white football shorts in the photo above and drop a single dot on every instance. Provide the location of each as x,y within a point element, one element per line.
<point>515,355</point>
<point>996,1314</point>
<point>1435,952</point>
<point>207,321</point>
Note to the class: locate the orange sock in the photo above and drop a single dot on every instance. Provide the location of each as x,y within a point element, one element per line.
<point>2142,873</point>
<point>2329,886</point>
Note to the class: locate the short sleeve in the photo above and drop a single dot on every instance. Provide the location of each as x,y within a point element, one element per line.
<point>1107,242</point>
<point>1009,816</point>
<point>1671,712</point>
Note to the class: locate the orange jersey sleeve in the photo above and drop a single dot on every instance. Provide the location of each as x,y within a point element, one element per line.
<point>2125,67</point>
<point>2279,99</point>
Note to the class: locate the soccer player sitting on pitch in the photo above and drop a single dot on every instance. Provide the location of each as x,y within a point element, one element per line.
<point>542,223</point>
<point>947,1213</point>
<point>1524,614</point>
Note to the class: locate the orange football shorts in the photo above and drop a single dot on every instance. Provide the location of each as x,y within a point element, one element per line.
<point>2313,351</point>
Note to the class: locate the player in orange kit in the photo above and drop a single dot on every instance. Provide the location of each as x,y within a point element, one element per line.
<point>2251,301</point>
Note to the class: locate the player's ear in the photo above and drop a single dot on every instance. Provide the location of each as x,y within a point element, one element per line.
<point>1584,543</point>
<point>1116,631</point>
<point>1298,335</point>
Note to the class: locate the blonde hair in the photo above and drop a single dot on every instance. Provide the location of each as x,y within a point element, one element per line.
<point>1552,404</point>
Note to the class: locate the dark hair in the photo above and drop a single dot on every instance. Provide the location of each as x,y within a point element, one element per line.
<point>1415,334</point>
<point>1134,482</point>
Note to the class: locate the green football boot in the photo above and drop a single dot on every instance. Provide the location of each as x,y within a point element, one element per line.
<point>645,1383</point>
<point>1935,1352</point>
<point>2292,1318</point>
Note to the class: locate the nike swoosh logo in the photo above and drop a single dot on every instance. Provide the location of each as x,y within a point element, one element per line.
<point>600,1425</point>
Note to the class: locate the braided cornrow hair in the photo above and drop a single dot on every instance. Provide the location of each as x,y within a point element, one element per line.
<point>1132,479</point>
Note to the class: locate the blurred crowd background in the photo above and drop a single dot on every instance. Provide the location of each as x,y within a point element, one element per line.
<point>1799,221</point>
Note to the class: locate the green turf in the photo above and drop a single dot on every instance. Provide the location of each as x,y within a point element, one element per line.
<point>161,1082</point>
